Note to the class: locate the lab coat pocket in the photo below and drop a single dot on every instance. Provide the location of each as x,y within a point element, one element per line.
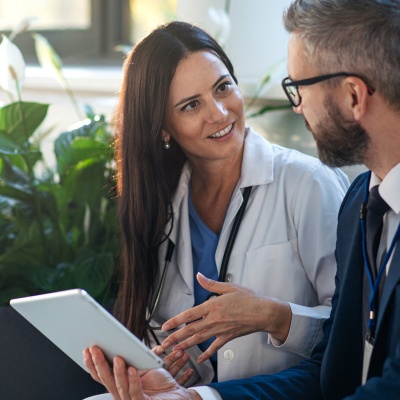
<point>276,270</point>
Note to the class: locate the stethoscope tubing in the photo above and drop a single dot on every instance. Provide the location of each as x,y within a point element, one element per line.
<point>224,263</point>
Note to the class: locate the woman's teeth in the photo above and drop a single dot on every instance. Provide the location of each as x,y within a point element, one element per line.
<point>222,132</point>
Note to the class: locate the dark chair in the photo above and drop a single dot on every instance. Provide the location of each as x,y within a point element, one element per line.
<point>33,368</point>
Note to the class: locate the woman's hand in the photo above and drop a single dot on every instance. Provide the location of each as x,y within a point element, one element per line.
<point>238,312</point>
<point>174,362</point>
<point>126,383</point>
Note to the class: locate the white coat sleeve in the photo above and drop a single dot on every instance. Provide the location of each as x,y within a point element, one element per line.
<point>319,196</point>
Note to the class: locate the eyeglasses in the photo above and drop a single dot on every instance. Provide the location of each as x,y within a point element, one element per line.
<point>291,88</point>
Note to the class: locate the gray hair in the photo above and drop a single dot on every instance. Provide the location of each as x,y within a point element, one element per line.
<point>356,36</point>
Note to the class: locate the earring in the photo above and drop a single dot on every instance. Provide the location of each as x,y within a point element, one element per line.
<point>166,143</point>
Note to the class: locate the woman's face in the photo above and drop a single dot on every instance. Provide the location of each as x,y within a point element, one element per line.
<point>205,113</point>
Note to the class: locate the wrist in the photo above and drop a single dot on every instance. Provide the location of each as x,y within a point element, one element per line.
<point>193,395</point>
<point>279,319</point>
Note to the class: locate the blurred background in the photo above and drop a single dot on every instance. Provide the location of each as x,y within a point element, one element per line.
<point>58,222</point>
<point>92,36</point>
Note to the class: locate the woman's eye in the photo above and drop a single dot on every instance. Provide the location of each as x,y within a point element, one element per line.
<point>224,86</point>
<point>190,106</point>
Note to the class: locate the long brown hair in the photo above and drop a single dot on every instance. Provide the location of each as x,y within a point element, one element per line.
<point>148,174</point>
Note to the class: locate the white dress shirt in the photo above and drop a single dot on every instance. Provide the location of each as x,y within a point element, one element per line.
<point>389,189</point>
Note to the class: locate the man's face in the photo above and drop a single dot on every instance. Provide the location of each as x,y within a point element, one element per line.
<point>340,140</point>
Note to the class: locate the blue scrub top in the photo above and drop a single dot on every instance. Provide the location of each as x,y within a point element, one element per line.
<point>204,245</point>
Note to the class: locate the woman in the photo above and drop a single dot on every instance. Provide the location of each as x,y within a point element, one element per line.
<point>185,158</point>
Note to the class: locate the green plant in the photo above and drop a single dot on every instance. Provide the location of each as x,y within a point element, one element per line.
<point>57,228</point>
<point>58,225</point>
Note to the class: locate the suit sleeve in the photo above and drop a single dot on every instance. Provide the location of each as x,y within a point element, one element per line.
<point>386,386</point>
<point>301,382</point>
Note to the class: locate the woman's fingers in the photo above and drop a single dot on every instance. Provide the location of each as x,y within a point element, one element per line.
<point>216,286</point>
<point>213,348</point>
<point>179,361</point>
<point>187,316</point>
<point>185,377</point>
<point>174,362</point>
<point>194,333</point>
<point>195,339</point>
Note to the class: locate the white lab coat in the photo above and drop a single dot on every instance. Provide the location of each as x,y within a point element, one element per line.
<point>284,249</point>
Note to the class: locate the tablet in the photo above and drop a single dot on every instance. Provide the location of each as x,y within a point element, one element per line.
<point>74,321</point>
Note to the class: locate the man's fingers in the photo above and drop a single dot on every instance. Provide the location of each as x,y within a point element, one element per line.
<point>103,370</point>
<point>87,358</point>
<point>121,378</point>
<point>135,385</point>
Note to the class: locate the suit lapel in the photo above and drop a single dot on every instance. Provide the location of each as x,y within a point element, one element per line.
<point>392,280</point>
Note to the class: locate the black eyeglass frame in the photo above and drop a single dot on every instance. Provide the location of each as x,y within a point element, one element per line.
<point>314,80</point>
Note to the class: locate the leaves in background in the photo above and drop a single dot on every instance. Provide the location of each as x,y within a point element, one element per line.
<point>21,119</point>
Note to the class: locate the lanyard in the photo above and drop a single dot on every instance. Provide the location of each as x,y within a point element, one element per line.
<point>373,284</point>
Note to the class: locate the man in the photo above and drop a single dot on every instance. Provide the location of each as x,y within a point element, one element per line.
<point>344,77</point>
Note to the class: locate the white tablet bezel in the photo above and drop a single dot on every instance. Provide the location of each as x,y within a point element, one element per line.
<point>74,321</point>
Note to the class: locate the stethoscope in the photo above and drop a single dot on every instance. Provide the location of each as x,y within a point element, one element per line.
<point>223,269</point>
<point>373,283</point>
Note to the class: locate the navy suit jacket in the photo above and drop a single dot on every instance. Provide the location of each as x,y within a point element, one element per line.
<point>334,370</point>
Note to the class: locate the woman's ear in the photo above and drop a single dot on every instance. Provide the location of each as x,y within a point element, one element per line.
<point>356,96</point>
<point>165,136</point>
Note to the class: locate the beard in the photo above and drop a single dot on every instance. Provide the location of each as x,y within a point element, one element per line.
<point>339,142</point>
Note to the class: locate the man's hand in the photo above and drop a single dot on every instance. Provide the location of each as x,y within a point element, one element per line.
<point>127,383</point>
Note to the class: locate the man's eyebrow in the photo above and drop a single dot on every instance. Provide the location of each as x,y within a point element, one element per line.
<point>186,99</point>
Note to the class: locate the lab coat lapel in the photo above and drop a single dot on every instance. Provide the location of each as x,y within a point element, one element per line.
<point>234,205</point>
<point>180,234</point>
<point>257,169</point>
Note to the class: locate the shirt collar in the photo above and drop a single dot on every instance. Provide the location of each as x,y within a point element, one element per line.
<point>389,187</point>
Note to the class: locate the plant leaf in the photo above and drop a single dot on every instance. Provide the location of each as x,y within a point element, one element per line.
<point>21,119</point>
<point>15,191</point>
<point>94,272</point>
<point>48,58</point>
